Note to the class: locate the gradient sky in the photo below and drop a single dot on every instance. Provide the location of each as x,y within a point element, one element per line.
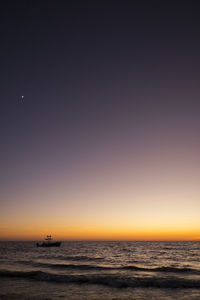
<point>107,142</point>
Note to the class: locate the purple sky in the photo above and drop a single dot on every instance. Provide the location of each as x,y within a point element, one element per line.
<point>110,115</point>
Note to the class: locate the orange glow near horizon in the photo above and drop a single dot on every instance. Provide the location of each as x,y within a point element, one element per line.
<point>85,232</point>
<point>102,236</point>
<point>152,196</point>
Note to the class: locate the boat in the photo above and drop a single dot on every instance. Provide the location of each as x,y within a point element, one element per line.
<point>49,243</point>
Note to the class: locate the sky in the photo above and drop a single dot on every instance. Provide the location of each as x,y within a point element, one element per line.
<point>105,144</point>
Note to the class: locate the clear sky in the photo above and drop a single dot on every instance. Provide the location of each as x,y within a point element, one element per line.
<point>106,142</point>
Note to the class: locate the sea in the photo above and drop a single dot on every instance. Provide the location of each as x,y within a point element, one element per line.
<point>100,270</point>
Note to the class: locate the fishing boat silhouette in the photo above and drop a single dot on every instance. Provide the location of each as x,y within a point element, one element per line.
<point>49,243</point>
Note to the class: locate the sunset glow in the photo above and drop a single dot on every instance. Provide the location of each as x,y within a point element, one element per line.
<point>105,144</point>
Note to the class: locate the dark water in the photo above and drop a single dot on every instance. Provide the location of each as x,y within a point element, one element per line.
<point>100,270</point>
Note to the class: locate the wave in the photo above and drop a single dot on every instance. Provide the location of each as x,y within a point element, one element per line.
<point>116,281</point>
<point>99,267</point>
<point>163,269</point>
<point>67,266</point>
<point>73,258</point>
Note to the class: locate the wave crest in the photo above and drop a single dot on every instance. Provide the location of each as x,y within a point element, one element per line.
<point>164,269</point>
<point>116,281</point>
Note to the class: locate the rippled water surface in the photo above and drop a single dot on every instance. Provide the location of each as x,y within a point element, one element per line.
<point>100,270</point>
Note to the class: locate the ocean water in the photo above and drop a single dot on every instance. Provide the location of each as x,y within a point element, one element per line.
<point>100,270</point>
